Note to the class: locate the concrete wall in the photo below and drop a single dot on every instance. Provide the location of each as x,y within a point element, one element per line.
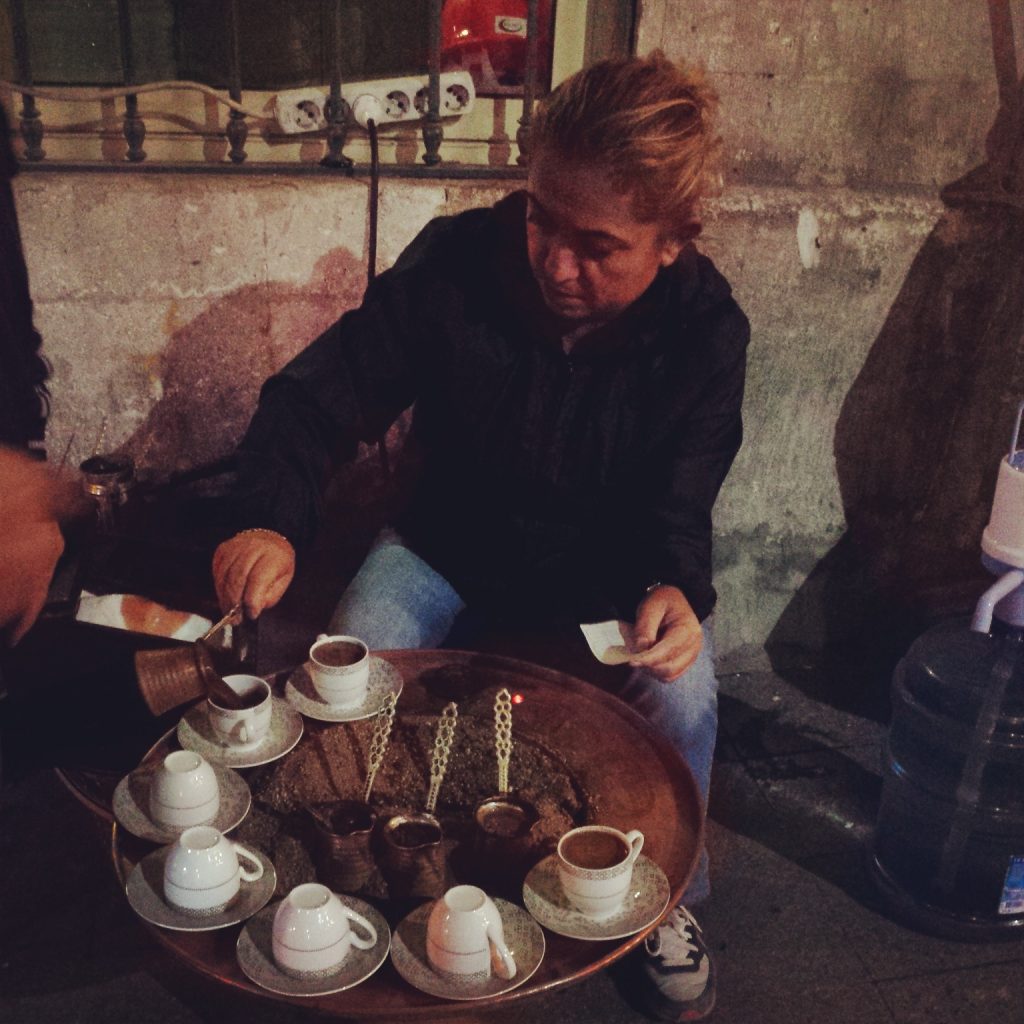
<point>883,322</point>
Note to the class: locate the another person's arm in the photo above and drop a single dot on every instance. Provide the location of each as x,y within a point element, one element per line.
<point>33,501</point>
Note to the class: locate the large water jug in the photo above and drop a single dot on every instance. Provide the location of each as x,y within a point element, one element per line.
<point>948,849</point>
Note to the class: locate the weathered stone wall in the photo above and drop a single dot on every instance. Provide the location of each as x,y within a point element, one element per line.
<point>884,363</point>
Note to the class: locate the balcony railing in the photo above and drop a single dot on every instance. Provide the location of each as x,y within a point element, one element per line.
<point>233,130</point>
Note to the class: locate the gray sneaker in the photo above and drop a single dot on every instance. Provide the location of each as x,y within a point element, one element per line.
<point>677,977</point>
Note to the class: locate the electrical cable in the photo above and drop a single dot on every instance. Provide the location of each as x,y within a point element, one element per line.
<point>371,257</point>
<point>371,269</point>
<point>98,95</point>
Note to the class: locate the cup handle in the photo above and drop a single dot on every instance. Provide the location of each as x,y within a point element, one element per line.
<point>358,941</point>
<point>636,842</point>
<point>321,636</point>
<point>246,854</point>
<point>506,968</point>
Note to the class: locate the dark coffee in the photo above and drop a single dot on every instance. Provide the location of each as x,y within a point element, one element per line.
<point>242,701</point>
<point>594,850</point>
<point>349,816</point>
<point>415,833</point>
<point>339,653</point>
<point>505,820</point>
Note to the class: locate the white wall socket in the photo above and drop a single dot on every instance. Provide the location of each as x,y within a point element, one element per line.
<point>400,99</point>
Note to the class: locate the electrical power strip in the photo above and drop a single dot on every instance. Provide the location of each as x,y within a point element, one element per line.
<point>386,100</point>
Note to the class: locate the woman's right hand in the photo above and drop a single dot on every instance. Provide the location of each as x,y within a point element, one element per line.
<point>254,569</point>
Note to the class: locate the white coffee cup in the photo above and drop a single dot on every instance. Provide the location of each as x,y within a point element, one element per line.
<point>465,935</point>
<point>595,867</point>
<point>340,669</point>
<point>202,872</point>
<point>243,728</point>
<point>312,933</point>
<point>183,791</point>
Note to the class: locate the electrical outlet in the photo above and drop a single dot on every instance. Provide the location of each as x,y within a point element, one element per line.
<point>300,110</point>
<point>399,99</point>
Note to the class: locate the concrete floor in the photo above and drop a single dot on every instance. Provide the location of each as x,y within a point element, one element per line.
<point>797,930</point>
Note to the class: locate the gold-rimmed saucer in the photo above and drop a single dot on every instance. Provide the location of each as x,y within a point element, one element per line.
<point>523,936</point>
<point>645,901</point>
<point>255,953</point>
<point>384,678</point>
<point>196,733</point>
<point>145,892</point>
<point>131,804</point>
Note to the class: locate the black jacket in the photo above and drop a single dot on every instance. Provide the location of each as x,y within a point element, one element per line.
<point>556,485</point>
<point>23,372</point>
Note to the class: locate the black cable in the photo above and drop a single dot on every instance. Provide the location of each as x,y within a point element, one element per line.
<point>371,258</point>
<point>371,269</point>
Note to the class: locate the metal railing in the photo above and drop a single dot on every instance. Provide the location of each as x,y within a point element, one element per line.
<point>236,130</point>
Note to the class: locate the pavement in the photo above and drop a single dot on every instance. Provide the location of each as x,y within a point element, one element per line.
<point>798,932</point>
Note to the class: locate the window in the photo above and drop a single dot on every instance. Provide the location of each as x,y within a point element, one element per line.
<point>249,51</point>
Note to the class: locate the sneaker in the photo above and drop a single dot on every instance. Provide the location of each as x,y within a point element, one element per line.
<point>677,977</point>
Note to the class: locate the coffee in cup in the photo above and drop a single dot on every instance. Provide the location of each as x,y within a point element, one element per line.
<point>246,727</point>
<point>595,867</point>
<point>339,667</point>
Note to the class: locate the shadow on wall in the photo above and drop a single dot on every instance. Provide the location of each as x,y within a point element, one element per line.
<point>212,369</point>
<point>211,373</point>
<point>917,447</point>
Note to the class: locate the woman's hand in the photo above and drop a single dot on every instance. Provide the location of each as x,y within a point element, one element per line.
<point>254,569</point>
<point>667,636</point>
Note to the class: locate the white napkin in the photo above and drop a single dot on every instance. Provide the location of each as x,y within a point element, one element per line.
<point>610,642</point>
<point>140,615</point>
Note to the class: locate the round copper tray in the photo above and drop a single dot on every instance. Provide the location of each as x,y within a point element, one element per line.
<point>635,778</point>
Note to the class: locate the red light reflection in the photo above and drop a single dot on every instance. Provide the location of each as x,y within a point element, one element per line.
<point>517,698</point>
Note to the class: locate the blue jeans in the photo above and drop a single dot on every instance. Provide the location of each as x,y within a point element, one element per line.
<point>397,601</point>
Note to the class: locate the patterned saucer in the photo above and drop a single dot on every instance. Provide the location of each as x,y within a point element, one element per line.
<point>195,733</point>
<point>131,804</point>
<point>145,892</point>
<point>644,903</point>
<point>523,936</point>
<point>384,679</point>
<point>256,956</point>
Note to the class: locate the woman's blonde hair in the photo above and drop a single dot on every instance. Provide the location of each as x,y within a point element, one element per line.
<point>649,121</point>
